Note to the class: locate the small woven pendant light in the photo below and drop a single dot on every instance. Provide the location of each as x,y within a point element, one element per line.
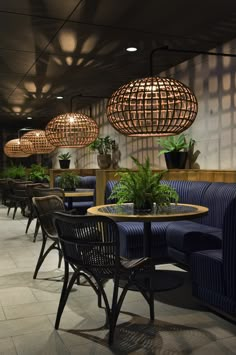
<point>152,106</point>
<point>71,130</point>
<point>12,149</point>
<point>38,142</point>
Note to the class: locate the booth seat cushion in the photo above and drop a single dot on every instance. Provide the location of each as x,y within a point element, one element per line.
<point>189,236</point>
<point>131,239</point>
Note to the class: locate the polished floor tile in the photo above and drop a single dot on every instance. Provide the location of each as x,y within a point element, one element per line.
<point>28,310</point>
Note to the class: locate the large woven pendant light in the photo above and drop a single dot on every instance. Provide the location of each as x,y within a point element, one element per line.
<point>38,142</point>
<point>152,106</point>
<point>71,130</point>
<point>12,149</point>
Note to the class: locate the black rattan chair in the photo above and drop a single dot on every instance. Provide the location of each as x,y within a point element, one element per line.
<point>17,196</point>
<point>90,245</point>
<point>44,207</point>
<point>45,191</point>
<point>32,213</point>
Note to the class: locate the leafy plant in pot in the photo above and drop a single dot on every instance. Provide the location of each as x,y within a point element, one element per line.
<point>64,160</point>
<point>38,173</point>
<point>103,145</point>
<point>69,181</point>
<point>176,150</point>
<point>143,188</point>
<point>15,172</point>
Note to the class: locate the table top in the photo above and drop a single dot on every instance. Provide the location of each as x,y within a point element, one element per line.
<point>125,212</point>
<point>79,193</point>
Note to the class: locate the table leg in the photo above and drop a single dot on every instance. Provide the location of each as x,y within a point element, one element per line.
<point>159,280</point>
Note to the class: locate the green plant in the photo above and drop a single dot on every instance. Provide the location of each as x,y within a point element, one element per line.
<point>68,181</point>
<point>143,187</point>
<point>175,143</point>
<point>102,145</point>
<point>65,156</point>
<point>38,173</point>
<point>15,172</point>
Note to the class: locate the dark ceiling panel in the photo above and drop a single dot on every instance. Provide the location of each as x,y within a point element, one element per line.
<point>52,47</point>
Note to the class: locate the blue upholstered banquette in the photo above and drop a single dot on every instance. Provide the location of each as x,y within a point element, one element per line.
<point>81,204</point>
<point>178,240</point>
<point>207,244</point>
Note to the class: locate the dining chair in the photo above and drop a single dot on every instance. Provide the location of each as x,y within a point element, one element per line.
<point>90,246</point>
<point>46,191</point>
<point>45,207</point>
<point>17,196</point>
<point>32,213</point>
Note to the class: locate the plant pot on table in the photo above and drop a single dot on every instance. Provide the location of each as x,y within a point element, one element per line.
<point>176,159</point>
<point>64,164</point>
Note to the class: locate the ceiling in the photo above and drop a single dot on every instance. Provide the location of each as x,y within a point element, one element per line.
<point>71,47</point>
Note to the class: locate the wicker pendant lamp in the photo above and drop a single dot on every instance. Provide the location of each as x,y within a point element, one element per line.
<point>152,106</point>
<point>72,130</point>
<point>35,142</point>
<point>12,149</point>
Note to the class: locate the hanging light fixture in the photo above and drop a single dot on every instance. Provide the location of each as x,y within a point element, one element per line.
<point>35,142</point>
<point>71,130</point>
<point>152,106</point>
<point>12,149</point>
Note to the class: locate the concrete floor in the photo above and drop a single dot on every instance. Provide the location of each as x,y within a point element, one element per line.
<point>28,309</point>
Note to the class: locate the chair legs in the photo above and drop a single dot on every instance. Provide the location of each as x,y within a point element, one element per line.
<point>14,213</point>
<point>36,230</point>
<point>112,312</point>
<point>42,254</point>
<point>64,293</point>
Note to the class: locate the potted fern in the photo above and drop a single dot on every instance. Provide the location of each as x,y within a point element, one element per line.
<point>69,181</point>
<point>175,149</point>
<point>38,173</point>
<point>64,160</point>
<point>15,172</point>
<point>143,188</point>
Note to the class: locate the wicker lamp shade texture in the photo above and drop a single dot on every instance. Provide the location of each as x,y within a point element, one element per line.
<point>35,142</point>
<point>152,106</point>
<point>13,149</point>
<point>71,130</point>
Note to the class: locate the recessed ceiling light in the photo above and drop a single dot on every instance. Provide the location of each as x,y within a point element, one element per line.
<point>131,49</point>
<point>29,118</point>
<point>59,97</point>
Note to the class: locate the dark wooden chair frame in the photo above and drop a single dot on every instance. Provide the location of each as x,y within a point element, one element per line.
<point>90,245</point>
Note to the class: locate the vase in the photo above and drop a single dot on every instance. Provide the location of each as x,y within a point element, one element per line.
<point>176,160</point>
<point>104,161</point>
<point>64,164</point>
<point>145,208</point>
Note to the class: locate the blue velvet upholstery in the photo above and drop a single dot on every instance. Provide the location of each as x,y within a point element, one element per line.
<point>208,243</point>
<point>183,237</point>
<point>214,272</point>
<point>188,236</point>
<point>131,240</point>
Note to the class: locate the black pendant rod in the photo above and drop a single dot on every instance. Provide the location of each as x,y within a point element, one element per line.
<point>167,49</point>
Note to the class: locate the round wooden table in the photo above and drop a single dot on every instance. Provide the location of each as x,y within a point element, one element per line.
<point>174,212</point>
<point>78,193</point>
<point>125,213</point>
